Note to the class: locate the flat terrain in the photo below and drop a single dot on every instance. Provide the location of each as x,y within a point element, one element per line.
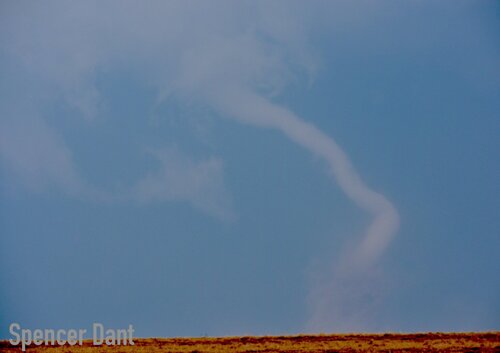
<point>419,342</point>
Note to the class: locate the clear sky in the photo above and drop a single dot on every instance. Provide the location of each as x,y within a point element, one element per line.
<point>219,168</point>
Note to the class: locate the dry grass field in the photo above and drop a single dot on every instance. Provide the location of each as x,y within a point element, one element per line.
<point>425,342</point>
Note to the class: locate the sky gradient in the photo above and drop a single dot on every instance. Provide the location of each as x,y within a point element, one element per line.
<point>250,167</point>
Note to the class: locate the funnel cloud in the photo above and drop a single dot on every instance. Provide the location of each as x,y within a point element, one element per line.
<point>354,272</point>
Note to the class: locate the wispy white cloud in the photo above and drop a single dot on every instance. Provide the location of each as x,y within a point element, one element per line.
<point>36,155</point>
<point>179,178</point>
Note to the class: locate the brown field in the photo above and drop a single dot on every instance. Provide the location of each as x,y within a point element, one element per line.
<point>418,342</point>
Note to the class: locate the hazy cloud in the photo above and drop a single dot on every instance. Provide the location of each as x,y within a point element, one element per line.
<point>179,178</point>
<point>37,156</point>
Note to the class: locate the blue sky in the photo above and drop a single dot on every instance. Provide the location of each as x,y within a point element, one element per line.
<point>250,167</point>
